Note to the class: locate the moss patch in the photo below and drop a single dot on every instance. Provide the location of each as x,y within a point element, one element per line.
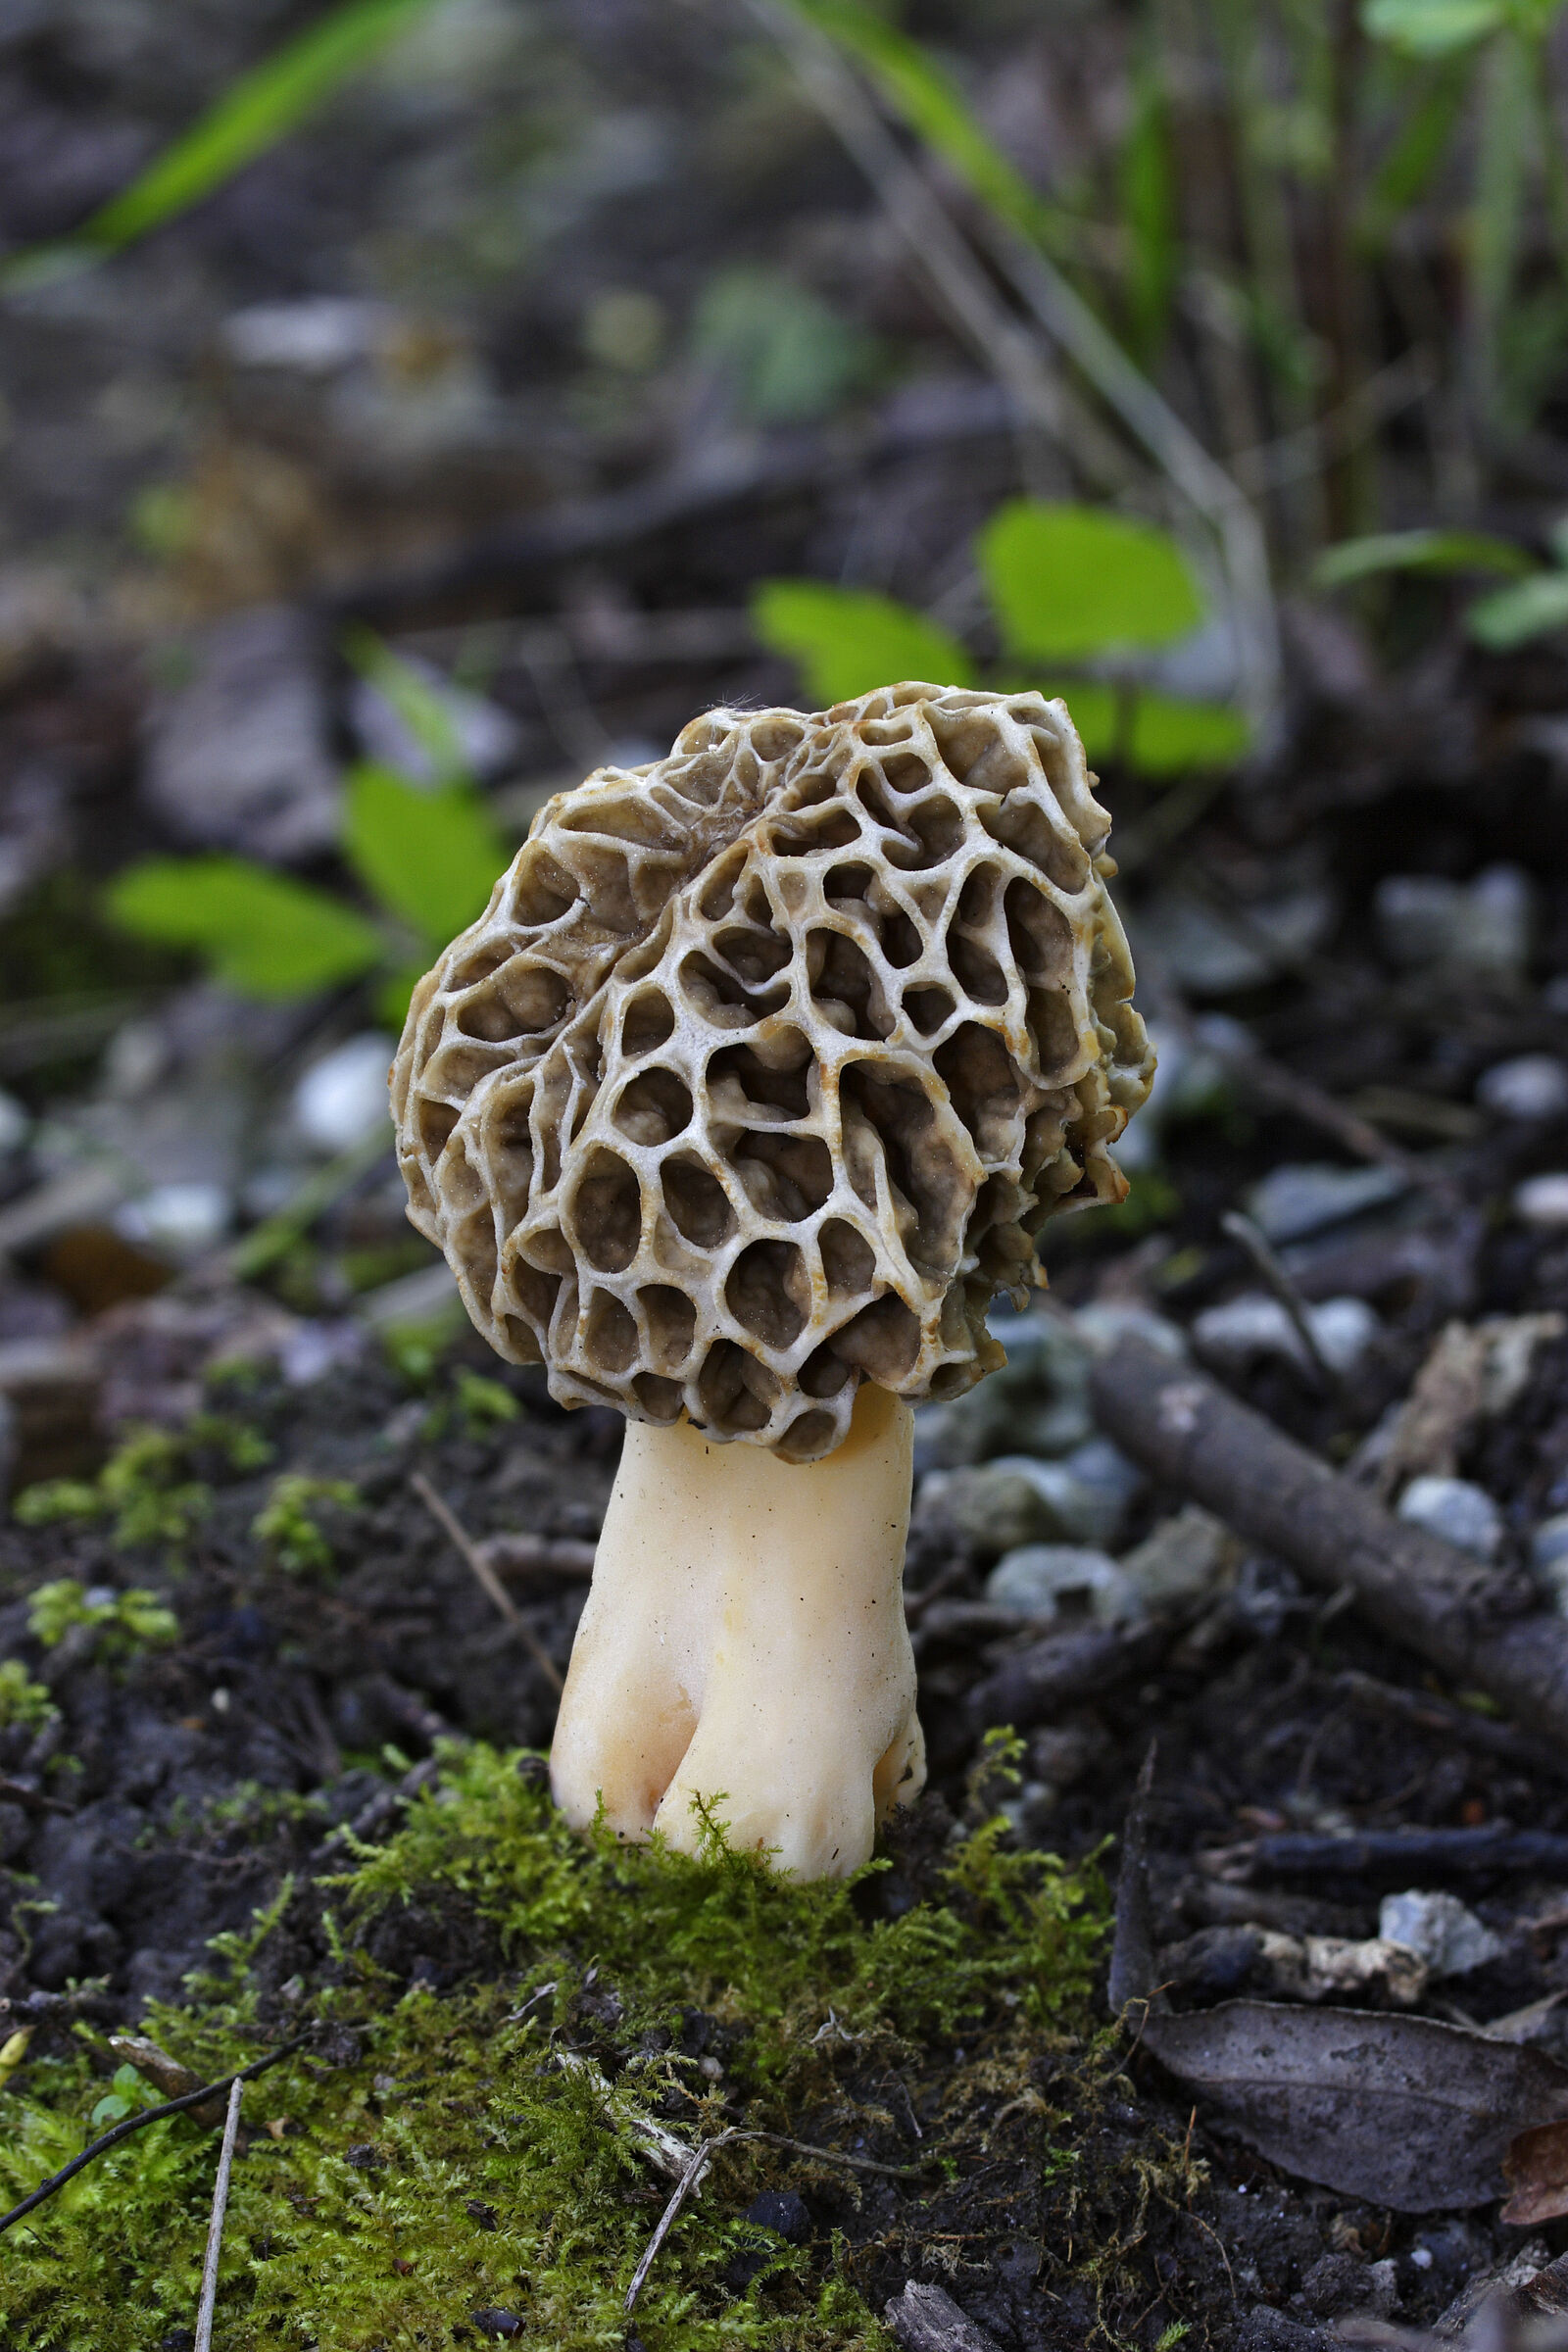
<point>436,2160</point>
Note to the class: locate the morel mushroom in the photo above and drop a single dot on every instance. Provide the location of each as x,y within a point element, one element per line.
<point>753,1085</point>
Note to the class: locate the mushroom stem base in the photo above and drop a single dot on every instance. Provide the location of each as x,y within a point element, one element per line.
<point>744,1644</point>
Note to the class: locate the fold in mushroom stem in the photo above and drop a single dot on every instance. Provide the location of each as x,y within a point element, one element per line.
<point>744,1644</point>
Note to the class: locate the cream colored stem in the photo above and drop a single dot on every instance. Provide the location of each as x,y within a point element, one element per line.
<point>744,1642</point>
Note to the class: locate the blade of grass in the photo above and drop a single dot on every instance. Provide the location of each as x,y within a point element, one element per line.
<point>258,110</point>
<point>813,32</point>
<point>940,115</point>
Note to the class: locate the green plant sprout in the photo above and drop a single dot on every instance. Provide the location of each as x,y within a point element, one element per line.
<point>1533,605</point>
<point>24,1704</point>
<point>427,855</point>
<point>124,1623</point>
<point>1072,590</point>
<point>288,1525</point>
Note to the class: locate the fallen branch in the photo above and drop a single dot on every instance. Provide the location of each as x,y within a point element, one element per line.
<point>462,1542</point>
<point>214,2227</point>
<point>139,2123</point>
<point>1405,1856</point>
<point>1066,1669</point>
<point>1190,1434</point>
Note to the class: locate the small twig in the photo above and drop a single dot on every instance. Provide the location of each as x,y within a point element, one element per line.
<point>1255,1244</point>
<point>214,2227</point>
<point>139,2123</point>
<point>462,1541</point>
<point>702,2155</point>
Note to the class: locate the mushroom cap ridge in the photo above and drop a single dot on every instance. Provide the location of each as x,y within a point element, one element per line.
<point>767,1063</point>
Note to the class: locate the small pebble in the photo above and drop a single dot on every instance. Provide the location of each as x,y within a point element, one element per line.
<point>1461,1513</point>
<point>1548,1556</point>
<point>15,1123</point>
<point>1255,1324</point>
<point>1446,1933</point>
<point>1048,1580</point>
<point>1542,1201</point>
<point>1529,1087</point>
<point>181,1221</point>
<point>1184,1558</point>
<point>342,1099</point>
<point>1302,1197</point>
<point>1425,919</point>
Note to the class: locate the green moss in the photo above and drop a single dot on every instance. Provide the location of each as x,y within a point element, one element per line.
<point>288,1526</point>
<point>123,1621</point>
<point>146,1488</point>
<point>491,2146</point>
<point>22,1700</point>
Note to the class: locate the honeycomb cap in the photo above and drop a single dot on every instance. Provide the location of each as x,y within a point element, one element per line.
<point>767,1063</point>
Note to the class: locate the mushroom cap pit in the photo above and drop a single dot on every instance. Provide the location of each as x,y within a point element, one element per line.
<point>767,1063</point>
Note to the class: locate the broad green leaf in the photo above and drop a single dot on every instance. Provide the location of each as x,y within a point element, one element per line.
<point>849,640</point>
<point>938,113</point>
<point>429,856</point>
<point>1094,707</point>
<point>1070,582</point>
<point>1421,146</point>
<point>1432,27</point>
<point>1511,616</point>
<point>1418,551</point>
<point>393,993</point>
<point>1169,736</point>
<point>262,934</point>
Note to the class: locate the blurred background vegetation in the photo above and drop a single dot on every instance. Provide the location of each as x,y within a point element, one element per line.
<point>408,405</point>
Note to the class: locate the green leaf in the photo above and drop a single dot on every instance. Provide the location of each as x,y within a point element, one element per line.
<point>1431,551</point>
<point>1148,193</point>
<point>937,111</point>
<point>1432,27</point>
<point>252,114</point>
<point>263,934</point>
<point>1169,736</point>
<point>1423,143</point>
<point>1512,617</point>
<point>429,856</point>
<point>849,640</point>
<point>1068,582</point>
<point>1094,709</point>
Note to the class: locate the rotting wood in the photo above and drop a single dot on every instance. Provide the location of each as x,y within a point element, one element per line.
<point>1189,1433</point>
<point>1403,1856</point>
<point>926,2319</point>
<point>1064,1668</point>
<point>538,1556</point>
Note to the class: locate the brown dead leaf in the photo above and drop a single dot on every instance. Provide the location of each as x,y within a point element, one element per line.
<point>1537,2170</point>
<point>1402,2111</point>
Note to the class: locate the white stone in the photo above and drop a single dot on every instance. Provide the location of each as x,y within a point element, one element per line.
<point>1302,1197</point>
<point>1531,1086</point>
<point>1446,1934</point>
<point>1461,1513</point>
<point>1424,918</point>
<point>1184,1558</point>
<point>1542,1201</point>
<point>1255,1324</point>
<point>182,1221</point>
<point>1048,1580</point>
<point>342,1099</point>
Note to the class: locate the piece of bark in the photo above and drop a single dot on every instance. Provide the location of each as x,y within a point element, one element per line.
<point>1189,1433</point>
<point>925,2319</point>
